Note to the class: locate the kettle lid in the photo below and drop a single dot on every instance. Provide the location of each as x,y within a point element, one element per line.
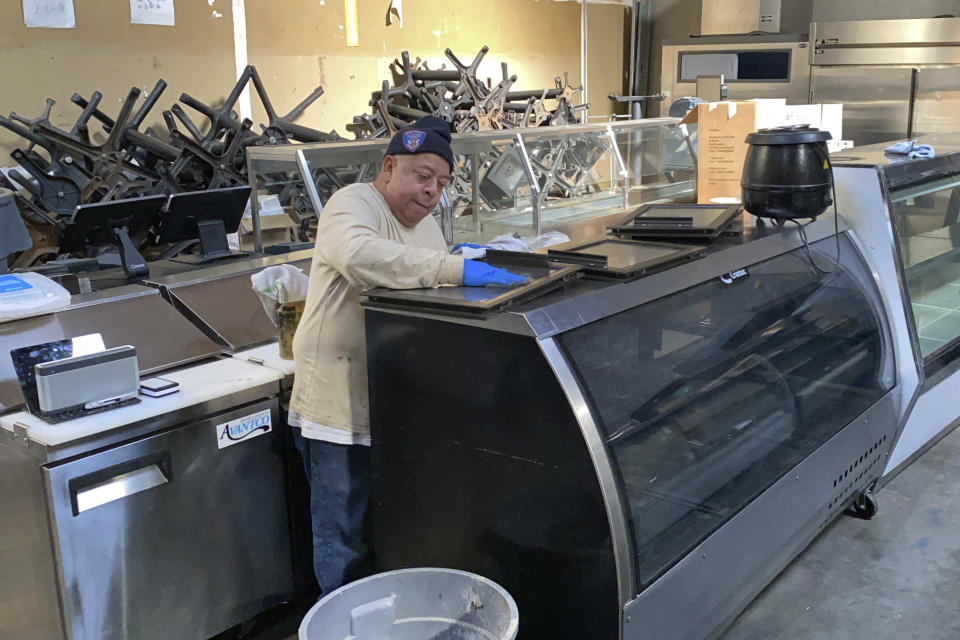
<point>788,134</point>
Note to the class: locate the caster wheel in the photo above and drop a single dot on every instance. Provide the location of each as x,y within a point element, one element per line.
<point>864,506</point>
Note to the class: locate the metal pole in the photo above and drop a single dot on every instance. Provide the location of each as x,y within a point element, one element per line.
<point>534,185</point>
<point>307,177</point>
<point>446,217</point>
<point>624,174</point>
<point>254,206</point>
<point>583,57</point>
<point>475,190</point>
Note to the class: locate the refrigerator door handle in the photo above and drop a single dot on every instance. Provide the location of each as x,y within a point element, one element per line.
<point>118,482</point>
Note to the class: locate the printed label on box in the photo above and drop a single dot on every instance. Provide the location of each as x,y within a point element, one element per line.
<point>245,428</point>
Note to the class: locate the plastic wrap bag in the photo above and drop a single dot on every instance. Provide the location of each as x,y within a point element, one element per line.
<point>279,285</point>
<point>30,294</point>
<point>511,242</point>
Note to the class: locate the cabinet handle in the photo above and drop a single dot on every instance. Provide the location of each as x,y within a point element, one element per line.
<point>118,487</point>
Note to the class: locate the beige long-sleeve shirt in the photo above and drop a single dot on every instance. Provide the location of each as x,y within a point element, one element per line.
<point>360,244</point>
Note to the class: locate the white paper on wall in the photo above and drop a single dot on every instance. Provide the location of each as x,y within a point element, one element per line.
<point>52,14</point>
<point>152,12</point>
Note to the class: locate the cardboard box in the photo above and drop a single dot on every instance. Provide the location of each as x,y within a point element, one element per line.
<point>274,229</point>
<point>722,137</point>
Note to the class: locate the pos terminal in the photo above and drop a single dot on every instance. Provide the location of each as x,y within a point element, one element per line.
<point>205,217</point>
<point>114,222</point>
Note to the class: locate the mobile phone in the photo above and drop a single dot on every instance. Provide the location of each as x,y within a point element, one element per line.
<point>158,387</point>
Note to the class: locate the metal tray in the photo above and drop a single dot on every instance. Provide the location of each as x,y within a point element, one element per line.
<point>544,276</point>
<point>676,221</point>
<point>624,259</point>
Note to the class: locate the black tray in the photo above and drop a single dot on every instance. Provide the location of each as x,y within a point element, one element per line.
<point>544,276</point>
<point>624,259</point>
<point>676,221</point>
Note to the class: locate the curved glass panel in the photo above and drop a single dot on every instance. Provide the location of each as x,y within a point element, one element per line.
<point>706,397</point>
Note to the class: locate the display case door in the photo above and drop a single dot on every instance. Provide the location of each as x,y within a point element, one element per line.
<point>876,100</point>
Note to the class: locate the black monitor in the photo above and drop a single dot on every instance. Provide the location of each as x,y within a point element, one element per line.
<point>113,223</point>
<point>204,216</point>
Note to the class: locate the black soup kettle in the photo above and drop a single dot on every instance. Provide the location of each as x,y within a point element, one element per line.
<point>786,173</point>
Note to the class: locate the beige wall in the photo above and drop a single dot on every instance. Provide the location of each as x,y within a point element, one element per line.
<point>295,44</point>
<point>608,58</point>
<point>672,20</point>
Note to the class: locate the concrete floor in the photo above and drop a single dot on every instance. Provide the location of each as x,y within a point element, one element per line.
<point>896,577</point>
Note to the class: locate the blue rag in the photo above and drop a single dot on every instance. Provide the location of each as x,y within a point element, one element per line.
<point>911,149</point>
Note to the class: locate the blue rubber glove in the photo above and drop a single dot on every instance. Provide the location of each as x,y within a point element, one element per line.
<point>480,274</point>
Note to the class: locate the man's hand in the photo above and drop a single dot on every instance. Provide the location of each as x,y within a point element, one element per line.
<point>480,274</point>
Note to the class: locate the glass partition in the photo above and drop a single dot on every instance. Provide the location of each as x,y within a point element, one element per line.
<point>708,396</point>
<point>524,181</point>
<point>927,223</point>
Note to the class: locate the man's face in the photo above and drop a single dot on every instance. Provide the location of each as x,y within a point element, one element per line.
<point>412,185</point>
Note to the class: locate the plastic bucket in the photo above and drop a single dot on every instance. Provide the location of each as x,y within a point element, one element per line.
<point>415,604</point>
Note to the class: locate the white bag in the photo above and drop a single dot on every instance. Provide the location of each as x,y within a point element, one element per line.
<point>30,294</point>
<point>277,285</point>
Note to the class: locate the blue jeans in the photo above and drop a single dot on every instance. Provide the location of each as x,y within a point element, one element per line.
<point>339,477</point>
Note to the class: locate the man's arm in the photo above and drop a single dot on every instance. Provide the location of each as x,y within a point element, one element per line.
<point>350,243</point>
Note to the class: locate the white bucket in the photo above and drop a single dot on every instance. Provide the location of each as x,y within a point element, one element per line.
<point>415,604</point>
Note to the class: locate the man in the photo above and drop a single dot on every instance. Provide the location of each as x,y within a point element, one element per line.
<point>369,235</point>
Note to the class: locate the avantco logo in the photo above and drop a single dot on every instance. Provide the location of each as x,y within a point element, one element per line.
<point>251,426</point>
<point>733,276</point>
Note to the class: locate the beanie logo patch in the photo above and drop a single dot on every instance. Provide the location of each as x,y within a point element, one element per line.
<point>413,140</point>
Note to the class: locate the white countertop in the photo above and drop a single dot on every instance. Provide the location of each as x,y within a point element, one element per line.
<point>198,384</point>
<point>270,355</point>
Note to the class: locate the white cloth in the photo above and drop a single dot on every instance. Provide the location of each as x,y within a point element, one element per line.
<point>360,244</point>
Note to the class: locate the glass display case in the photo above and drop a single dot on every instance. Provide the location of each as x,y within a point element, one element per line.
<point>635,459</point>
<point>927,222</point>
<point>906,213</point>
<point>526,181</point>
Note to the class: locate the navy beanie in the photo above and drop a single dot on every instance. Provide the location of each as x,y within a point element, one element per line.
<point>429,134</point>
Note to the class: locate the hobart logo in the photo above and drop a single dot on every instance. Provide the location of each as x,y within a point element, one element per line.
<point>733,276</point>
<point>413,139</point>
<point>230,433</point>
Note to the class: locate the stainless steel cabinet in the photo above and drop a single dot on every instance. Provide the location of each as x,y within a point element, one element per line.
<point>160,537</point>
<point>936,101</point>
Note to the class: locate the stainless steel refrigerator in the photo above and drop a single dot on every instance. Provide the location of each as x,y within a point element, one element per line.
<point>896,78</point>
